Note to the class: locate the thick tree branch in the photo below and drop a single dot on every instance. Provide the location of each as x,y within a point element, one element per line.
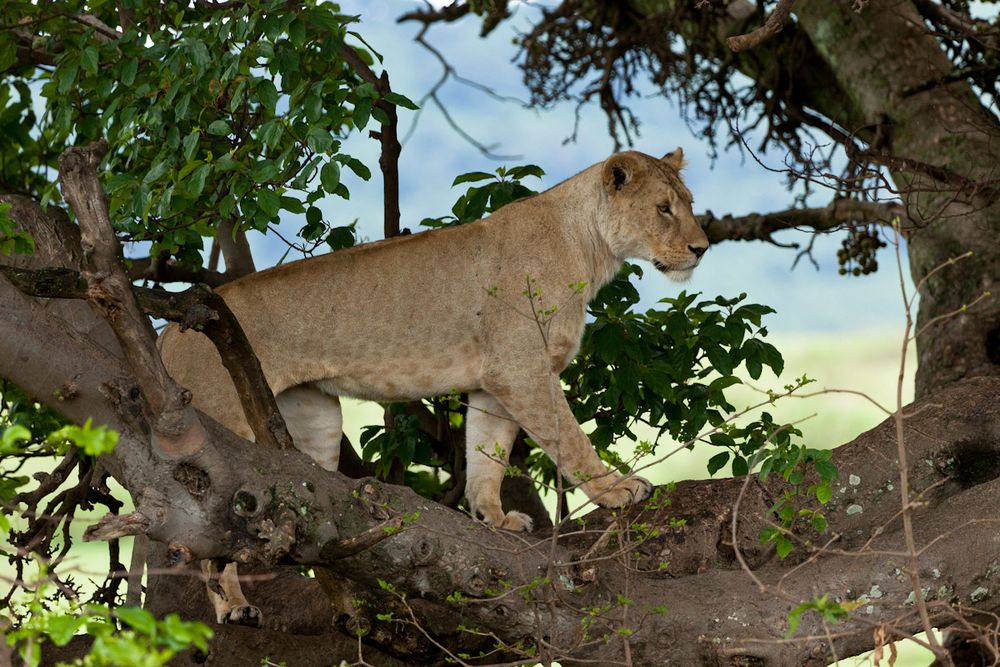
<point>176,427</point>
<point>839,214</point>
<point>235,248</point>
<point>197,308</point>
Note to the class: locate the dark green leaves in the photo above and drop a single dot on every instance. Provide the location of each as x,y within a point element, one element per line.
<point>267,94</point>
<point>330,176</point>
<point>404,442</point>
<point>219,128</point>
<point>480,200</point>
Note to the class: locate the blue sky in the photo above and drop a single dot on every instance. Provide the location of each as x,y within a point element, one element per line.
<point>807,300</point>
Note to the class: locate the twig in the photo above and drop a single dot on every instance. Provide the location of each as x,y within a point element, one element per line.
<point>913,564</point>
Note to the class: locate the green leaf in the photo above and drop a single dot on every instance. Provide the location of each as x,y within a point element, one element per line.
<point>128,71</point>
<point>264,171</point>
<point>219,128</point>
<point>523,171</point>
<point>401,101</point>
<point>827,471</point>
<point>139,619</point>
<point>93,441</point>
<point>823,494</point>
<point>88,59</point>
<point>269,202</point>
<point>190,145</point>
<point>66,77</point>
<point>717,462</point>
<point>196,184</point>
<point>270,132</point>
<point>471,177</point>
<point>329,176</point>
<point>719,358</point>
<point>13,437</point>
<point>722,440</point>
<point>314,216</point>
<point>8,52</point>
<point>61,629</point>
<point>267,94</point>
<point>367,90</point>
<point>297,32</point>
<point>199,55</point>
<point>319,139</point>
<point>362,112</point>
<point>156,171</point>
<point>783,546</point>
<point>740,466</point>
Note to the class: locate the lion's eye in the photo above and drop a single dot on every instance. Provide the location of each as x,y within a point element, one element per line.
<point>664,209</point>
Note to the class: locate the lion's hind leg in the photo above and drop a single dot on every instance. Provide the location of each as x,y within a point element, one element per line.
<point>489,436</point>
<point>315,422</point>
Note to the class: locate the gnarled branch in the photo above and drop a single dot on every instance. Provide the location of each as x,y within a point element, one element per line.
<point>762,226</point>
<point>175,424</point>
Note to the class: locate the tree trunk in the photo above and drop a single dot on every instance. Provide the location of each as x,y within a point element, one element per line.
<point>881,55</point>
<point>879,75</point>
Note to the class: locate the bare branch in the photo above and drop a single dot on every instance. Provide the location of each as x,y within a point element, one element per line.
<point>113,526</point>
<point>448,14</point>
<point>388,160</point>
<point>351,546</point>
<point>761,226</point>
<point>152,268</point>
<point>775,21</point>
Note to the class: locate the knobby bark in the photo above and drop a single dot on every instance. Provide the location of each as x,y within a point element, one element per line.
<point>267,507</point>
<point>874,69</point>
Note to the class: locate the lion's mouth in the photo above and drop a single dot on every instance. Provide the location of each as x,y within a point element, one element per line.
<point>677,275</point>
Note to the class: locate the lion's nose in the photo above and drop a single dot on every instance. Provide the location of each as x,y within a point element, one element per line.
<point>698,250</point>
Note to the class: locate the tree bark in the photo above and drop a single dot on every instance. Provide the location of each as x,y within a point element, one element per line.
<point>879,55</point>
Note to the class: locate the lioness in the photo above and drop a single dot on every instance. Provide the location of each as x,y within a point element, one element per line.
<point>448,310</point>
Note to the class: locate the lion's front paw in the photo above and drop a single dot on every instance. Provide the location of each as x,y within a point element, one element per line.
<point>243,615</point>
<point>624,491</point>
<point>492,515</point>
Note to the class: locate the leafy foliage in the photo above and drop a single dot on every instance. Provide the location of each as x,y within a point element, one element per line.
<point>121,636</point>
<point>480,200</point>
<point>13,240</point>
<point>404,442</point>
<point>209,114</point>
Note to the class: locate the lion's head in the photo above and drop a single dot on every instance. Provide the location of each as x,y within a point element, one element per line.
<point>648,214</point>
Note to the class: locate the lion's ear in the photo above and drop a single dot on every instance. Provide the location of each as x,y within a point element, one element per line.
<point>675,159</point>
<point>620,171</point>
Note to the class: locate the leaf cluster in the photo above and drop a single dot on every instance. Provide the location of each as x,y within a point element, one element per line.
<point>669,368</point>
<point>504,187</point>
<point>209,115</point>
<point>121,636</point>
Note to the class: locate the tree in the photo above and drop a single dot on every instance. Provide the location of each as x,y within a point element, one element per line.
<point>169,123</point>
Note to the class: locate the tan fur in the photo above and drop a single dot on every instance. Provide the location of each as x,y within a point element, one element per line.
<point>446,310</point>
